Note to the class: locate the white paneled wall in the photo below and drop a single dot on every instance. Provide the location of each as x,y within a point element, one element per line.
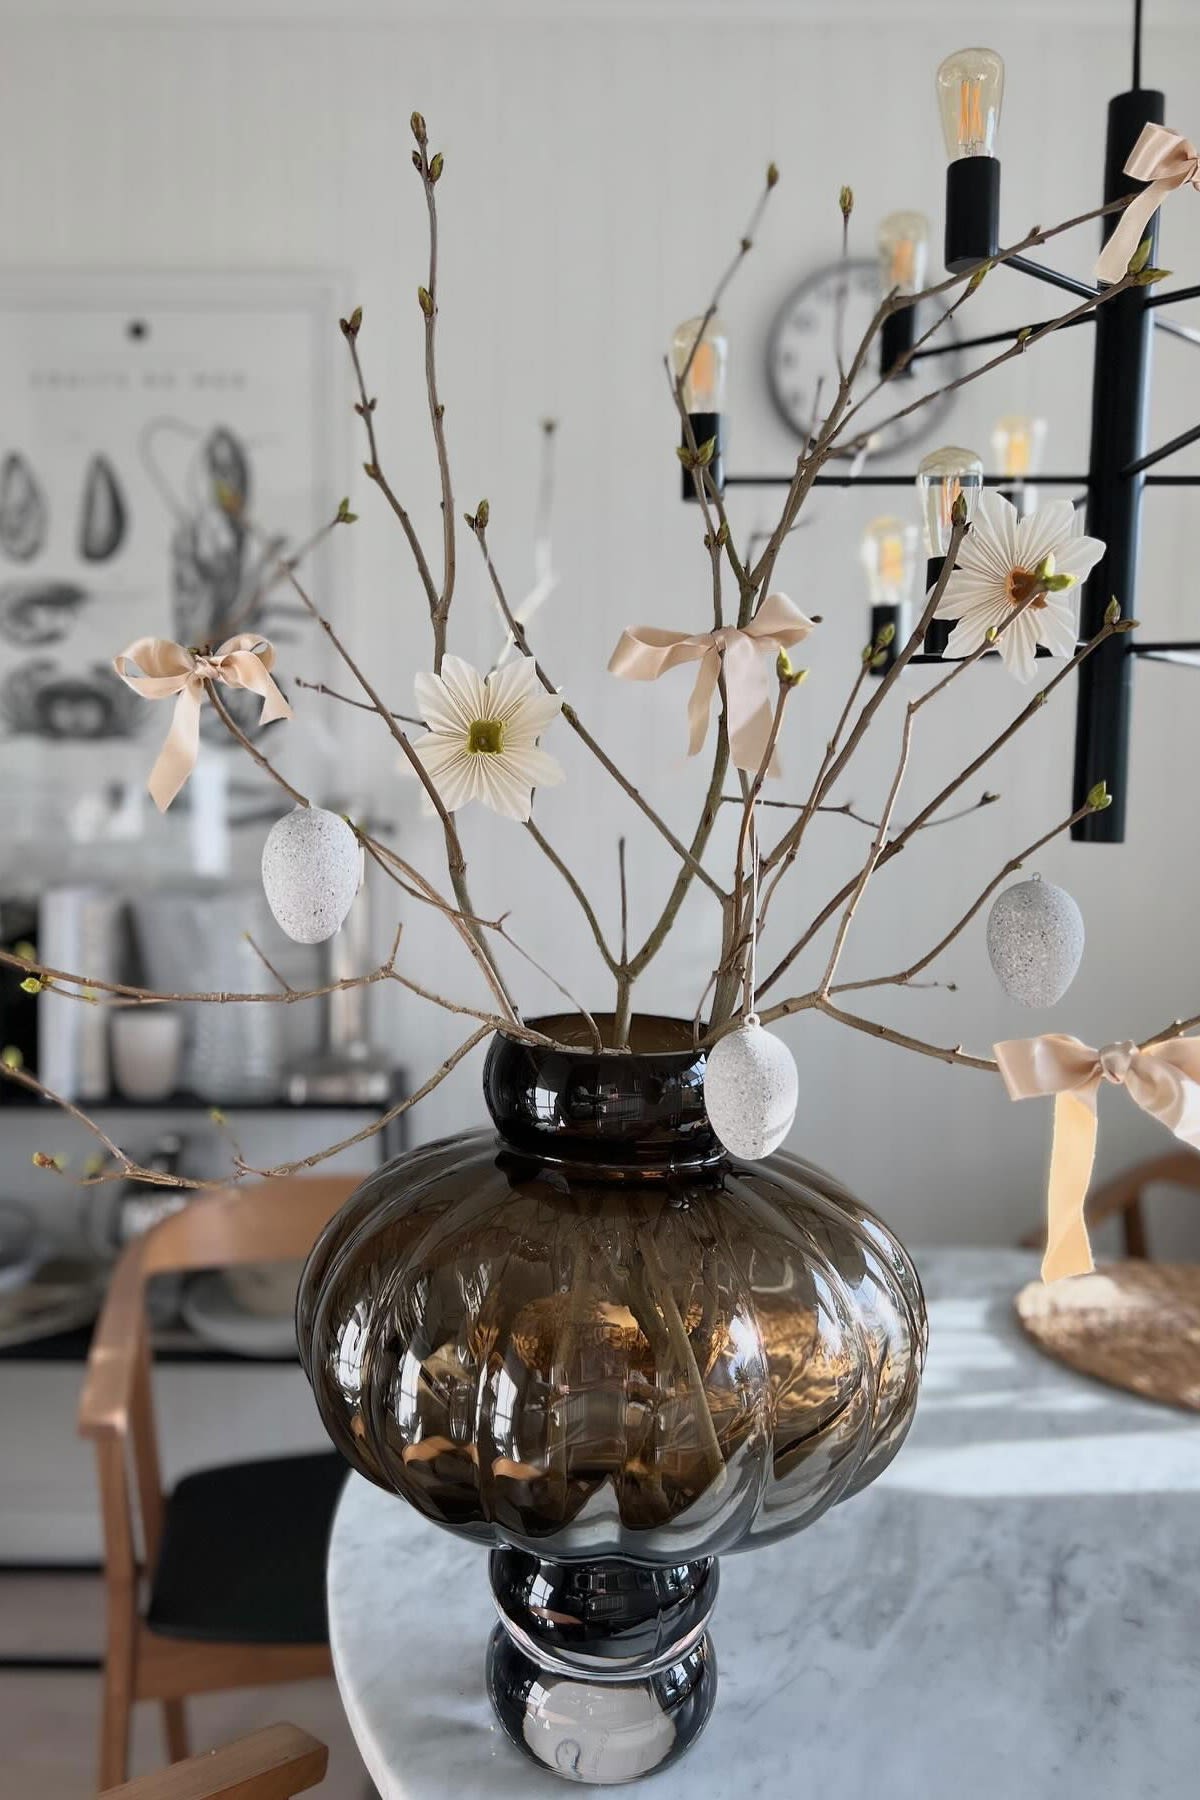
<point>600,161</point>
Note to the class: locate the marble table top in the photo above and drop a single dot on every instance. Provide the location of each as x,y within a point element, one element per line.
<point>1011,1610</point>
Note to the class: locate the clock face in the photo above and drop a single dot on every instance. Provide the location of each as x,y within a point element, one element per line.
<point>800,350</point>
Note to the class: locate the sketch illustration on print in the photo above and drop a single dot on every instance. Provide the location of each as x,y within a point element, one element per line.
<point>45,697</point>
<point>23,513</point>
<point>102,513</point>
<point>222,570</point>
<point>39,611</point>
<point>42,699</point>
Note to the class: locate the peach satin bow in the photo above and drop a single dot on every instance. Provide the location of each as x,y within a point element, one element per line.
<point>645,652</point>
<point>1166,160</point>
<point>168,669</point>
<point>1163,1079</point>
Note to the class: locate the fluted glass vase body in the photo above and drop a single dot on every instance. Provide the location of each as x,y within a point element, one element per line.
<point>592,1333</point>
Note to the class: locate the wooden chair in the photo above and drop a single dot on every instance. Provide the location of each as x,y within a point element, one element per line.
<point>231,1565</point>
<point>272,1764</point>
<point>1122,1197</point>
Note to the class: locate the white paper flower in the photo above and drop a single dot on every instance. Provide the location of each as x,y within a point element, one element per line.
<point>996,570</point>
<point>483,733</point>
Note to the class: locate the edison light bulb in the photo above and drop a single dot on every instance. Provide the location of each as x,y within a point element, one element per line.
<point>903,251</point>
<point>1017,442</point>
<point>889,556</point>
<point>941,477</point>
<point>704,383</point>
<point>1017,445</point>
<point>970,88</point>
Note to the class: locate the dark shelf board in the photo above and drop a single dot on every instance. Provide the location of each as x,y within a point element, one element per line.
<point>73,1346</point>
<point>26,1102</point>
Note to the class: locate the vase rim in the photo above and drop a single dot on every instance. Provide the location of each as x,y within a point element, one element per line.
<point>650,1035</point>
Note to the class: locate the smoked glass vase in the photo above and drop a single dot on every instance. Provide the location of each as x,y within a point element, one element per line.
<point>597,1343</point>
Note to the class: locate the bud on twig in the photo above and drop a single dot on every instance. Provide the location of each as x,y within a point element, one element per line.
<point>977,278</point>
<point>425,301</point>
<point>846,201</point>
<point>344,515</point>
<point>1099,797</point>
<point>350,326</point>
<point>11,1057</point>
<point>704,452</point>
<point>772,175</point>
<point>788,676</point>
<point>41,1161</point>
<point>418,129</point>
<point>436,164</point>
<point>958,512</point>
<point>1139,259</point>
<point>1148,277</point>
<point>1112,611</point>
<point>885,636</point>
<point>31,985</point>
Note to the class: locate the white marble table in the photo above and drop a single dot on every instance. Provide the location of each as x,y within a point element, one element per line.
<point>1012,1611</point>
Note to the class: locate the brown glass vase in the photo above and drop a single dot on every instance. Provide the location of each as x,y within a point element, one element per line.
<point>596,1342</point>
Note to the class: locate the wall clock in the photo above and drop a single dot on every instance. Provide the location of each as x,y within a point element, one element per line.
<point>800,350</point>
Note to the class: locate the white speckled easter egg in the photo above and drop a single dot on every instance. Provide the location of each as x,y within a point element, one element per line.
<point>1035,940</point>
<point>750,1090</point>
<point>311,871</point>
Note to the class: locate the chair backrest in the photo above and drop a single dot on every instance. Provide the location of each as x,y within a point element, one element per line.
<point>272,1764</point>
<point>1122,1197</point>
<point>261,1223</point>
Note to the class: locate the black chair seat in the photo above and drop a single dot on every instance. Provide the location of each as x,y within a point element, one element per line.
<point>243,1552</point>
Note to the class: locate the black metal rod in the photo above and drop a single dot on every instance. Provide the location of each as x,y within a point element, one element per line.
<point>898,481</point>
<point>1169,299</point>
<point>1164,450</point>
<point>1054,277</point>
<point>1141,648</point>
<point>1120,394</point>
<point>995,337</point>
<point>1172,481</point>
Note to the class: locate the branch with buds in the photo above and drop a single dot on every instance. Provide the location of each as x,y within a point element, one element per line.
<point>736,583</point>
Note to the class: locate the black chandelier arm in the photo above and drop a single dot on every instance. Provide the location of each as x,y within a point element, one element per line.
<point>1174,294</point>
<point>997,337</point>
<point>1054,277</point>
<point>1024,266</point>
<point>900,481</point>
<point>1164,450</point>
<point>1172,481</point>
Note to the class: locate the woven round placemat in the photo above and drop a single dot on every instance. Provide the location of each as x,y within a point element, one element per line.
<point>1133,1324</point>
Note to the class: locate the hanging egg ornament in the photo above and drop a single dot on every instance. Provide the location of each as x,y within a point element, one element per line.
<point>1035,941</point>
<point>312,866</point>
<point>750,1090</point>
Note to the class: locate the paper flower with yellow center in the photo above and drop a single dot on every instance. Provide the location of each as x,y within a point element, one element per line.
<point>483,733</point>
<point>1003,561</point>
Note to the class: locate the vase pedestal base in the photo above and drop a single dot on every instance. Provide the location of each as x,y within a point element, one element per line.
<point>601,1671</point>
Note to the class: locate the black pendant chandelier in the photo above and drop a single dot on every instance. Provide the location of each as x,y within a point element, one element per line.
<point>1119,465</point>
